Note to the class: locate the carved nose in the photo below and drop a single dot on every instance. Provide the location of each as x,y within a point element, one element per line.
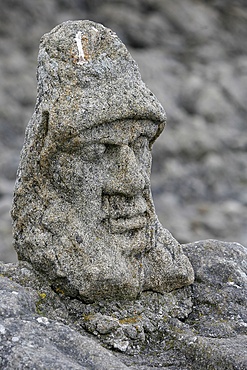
<point>125,175</point>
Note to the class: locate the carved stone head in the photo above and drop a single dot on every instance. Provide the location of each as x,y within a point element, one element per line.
<point>83,211</point>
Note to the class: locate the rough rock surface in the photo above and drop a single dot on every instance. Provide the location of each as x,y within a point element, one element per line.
<point>192,54</point>
<point>82,210</point>
<point>32,341</point>
<point>199,327</point>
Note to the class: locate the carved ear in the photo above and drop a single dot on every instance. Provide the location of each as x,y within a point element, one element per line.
<point>43,131</point>
<point>40,138</point>
<point>44,126</point>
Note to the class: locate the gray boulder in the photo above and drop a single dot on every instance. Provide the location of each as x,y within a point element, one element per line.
<point>32,341</point>
<point>199,327</point>
<point>219,317</point>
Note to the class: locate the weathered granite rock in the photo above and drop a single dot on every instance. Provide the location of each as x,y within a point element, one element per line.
<point>199,327</point>
<point>220,299</point>
<point>218,320</point>
<point>83,211</point>
<point>29,340</point>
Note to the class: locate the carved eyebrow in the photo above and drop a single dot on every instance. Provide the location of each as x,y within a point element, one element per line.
<point>127,127</point>
<point>116,132</point>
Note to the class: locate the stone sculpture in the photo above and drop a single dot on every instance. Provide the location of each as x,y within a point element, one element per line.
<point>83,213</point>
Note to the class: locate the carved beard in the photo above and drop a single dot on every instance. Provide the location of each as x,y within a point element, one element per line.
<point>100,252</point>
<point>101,264</point>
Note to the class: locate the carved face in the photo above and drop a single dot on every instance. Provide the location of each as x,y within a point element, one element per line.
<point>104,172</point>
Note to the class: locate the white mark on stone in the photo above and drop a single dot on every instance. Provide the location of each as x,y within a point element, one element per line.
<point>80,50</point>
<point>15,293</point>
<point>95,29</point>
<point>2,329</point>
<point>15,339</point>
<point>43,320</point>
<point>121,345</point>
<point>231,283</point>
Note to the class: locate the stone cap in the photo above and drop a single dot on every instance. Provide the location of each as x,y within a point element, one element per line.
<point>87,76</point>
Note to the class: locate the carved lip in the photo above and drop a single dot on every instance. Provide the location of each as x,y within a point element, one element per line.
<point>120,225</point>
<point>121,207</point>
<point>124,213</point>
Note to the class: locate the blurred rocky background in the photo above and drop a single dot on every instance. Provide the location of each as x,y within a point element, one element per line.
<point>193,56</point>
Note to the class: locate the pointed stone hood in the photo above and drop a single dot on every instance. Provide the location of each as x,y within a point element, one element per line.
<point>101,86</point>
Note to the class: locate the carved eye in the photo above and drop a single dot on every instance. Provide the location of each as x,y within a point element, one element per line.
<point>86,151</point>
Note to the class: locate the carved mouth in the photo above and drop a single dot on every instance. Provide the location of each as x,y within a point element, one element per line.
<point>124,214</point>
<point>120,225</point>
